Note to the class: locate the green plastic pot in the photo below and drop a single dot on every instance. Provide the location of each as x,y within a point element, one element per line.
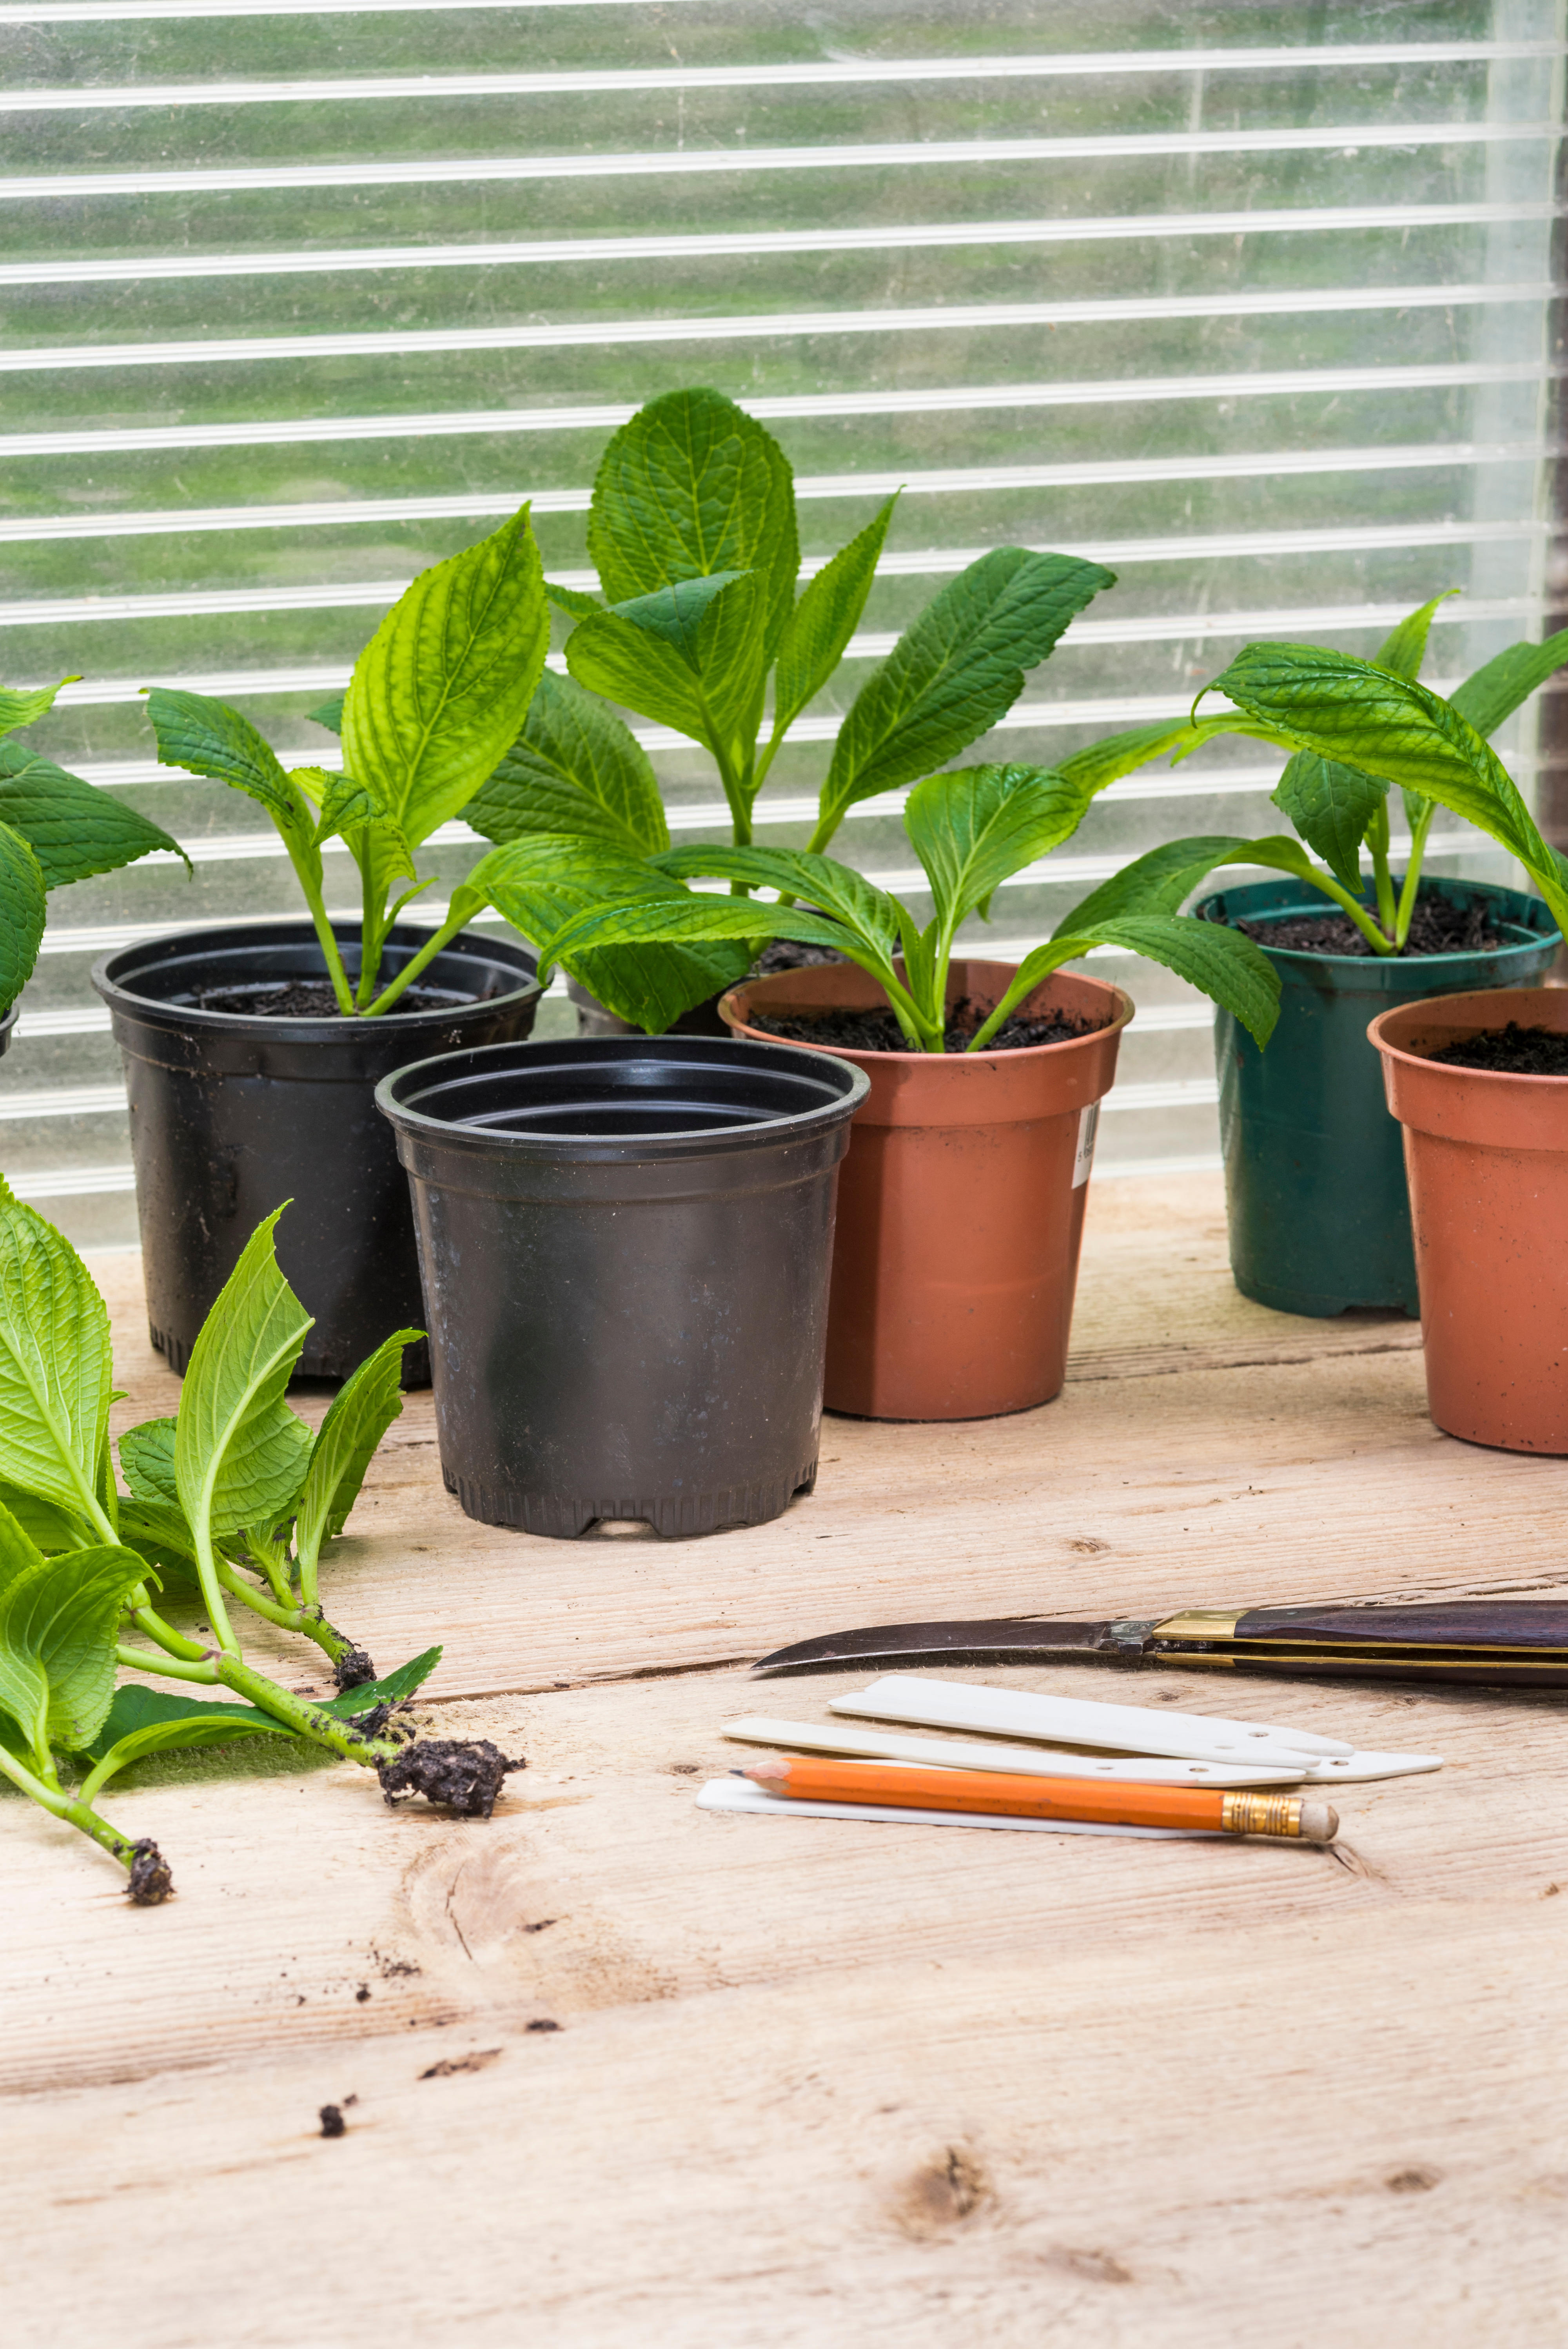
<point>1314,1169</point>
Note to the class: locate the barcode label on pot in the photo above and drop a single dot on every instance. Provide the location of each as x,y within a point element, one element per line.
<point>1087,1120</point>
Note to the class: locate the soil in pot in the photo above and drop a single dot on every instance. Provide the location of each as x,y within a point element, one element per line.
<point>878,1032</point>
<point>1438,926</point>
<point>1315,1171</point>
<point>308,999</point>
<point>1513,1052</point>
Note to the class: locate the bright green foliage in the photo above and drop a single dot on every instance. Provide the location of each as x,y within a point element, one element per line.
<point>575,772</point>
<point>55,829</point>
<point>435,697</point>
<point>239,1451</point>
<point>362,1411</point>
<point>971,831</point>
<point>212,1509</point>
<point>1355,729</point>
<point>53,1366</point>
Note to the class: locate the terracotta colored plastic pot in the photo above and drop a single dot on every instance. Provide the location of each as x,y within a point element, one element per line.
<point>961,1202</point>
<point>1487,1159</point>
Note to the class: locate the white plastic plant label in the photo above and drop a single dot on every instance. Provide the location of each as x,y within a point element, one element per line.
<point>1087,1120</point>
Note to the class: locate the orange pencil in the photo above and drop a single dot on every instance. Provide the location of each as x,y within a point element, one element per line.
<point>901,1788</point>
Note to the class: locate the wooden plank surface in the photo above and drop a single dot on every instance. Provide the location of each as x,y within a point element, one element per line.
<point>817,2082</point>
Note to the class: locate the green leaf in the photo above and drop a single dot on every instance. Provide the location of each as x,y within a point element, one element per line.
<point>73,829</point>
<point>48,1528</point>
<point>956,671</point>
<point>147,1461</point>
<point>391,1690</point>
<point>24,909</point>
<point>974,828</point>
<point>329,713</point>
<point>1405,648</point>
<point>1331,807</point>
<point>341,800</point>
<point>55,1367</point>
<point>362,1411</point>
<point>238,1452</point>
<point>158,1532</point>
<point>675,614</point>
<point>1497,690</point>
<point>207,738</point>
<point>22,706</point>
<point>824,620</point>
<point>538,883</point>
<point>575,770</point>
<point>19,1553</point>
<point>690,486</point>
<point>692,918</point>
<point>443,685</point>
<point>1162,880</point>
<point>1346,709</point>
<point>58,1620</point>
<point>142,1721</point>
<point>1225,965</point>
<point>1100,763</point>
<point>826,884</point>
<point>575,600</point>
<point>709,685</point>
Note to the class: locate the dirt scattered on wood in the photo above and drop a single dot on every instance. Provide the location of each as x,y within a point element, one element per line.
<point>1511,1051</point>
<point>466,1779</point>
<point>1438,926</point>
<point>332,2121</point>
<point>873,1031</point>
<point>1419,2178</point>
<point>544,2024</point>
<point>150,1880</point>
<point>477,2062</point>
<point>353,1670</point>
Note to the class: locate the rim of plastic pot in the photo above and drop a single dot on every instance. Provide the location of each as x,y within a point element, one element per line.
<point>1539,932</point>
<point>1125,1009</point>
<point>8,1025</point>
<point>1473,1013</point>
<point>826,1099</point>
<point>113,975</point>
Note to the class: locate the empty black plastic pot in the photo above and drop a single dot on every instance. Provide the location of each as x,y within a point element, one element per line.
<point>8,1028</point>
<point>626,1244</point>
<point>231,1112</point>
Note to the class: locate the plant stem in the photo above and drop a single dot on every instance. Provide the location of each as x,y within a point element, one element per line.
<point>173,1643</point>
<point>310,1620</point>
<point>1378,940</point>
<point>1407,894</point>
<point>427,955</point>
<point>306,1719</point>
<point>324,929</point>
<point>173,1668</point>
<point>71,1808</point>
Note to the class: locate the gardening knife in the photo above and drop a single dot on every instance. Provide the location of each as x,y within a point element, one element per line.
<point>1490,1644</point>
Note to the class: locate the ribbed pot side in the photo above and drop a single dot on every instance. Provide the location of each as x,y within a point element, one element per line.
<point>1487,1159</point>
<point>961,1202</point>
<point>1315,1177</point>
<point>625,1245</point>
<point>231,1113</point>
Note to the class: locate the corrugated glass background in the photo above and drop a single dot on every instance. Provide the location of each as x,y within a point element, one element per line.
<point>1250,302</point>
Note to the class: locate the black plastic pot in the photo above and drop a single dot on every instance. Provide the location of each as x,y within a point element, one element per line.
<point>8,1028</point>
<point>230,1113</point>
<point>625,1245</point>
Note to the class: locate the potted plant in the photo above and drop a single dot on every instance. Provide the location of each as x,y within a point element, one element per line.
<point>54,829</point>
<point>692,530</point>
<point>1478,1083</point>
<point>961,1203</point>
<point>1318,1214</point>
<point>252,1050</point>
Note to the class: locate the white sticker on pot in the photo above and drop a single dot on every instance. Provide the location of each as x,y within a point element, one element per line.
<point>1087,1120</point>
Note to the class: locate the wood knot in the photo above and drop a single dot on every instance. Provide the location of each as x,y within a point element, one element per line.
<point>1419,2178</point>
<point>1099,2267</point>
<point>941,2194</point>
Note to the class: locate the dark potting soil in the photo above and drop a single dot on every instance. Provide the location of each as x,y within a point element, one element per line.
<point>1438,926</point>
<point>150,1881</point>
<point>466,1778</point>
<point>878,1032</point>
<point>308,998</point>
<point>1513,1051</point>
<point>792,954</point>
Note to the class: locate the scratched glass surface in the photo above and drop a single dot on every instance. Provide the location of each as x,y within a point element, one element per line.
<point>1248,302</point>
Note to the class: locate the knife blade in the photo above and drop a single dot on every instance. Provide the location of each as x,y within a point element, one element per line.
<point>1486,1643</point>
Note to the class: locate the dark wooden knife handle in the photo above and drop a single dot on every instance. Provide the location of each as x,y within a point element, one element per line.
<point>1530,1625</point>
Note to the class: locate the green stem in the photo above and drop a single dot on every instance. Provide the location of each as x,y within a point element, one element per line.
<point>370,932</point>
<point>306,1719</point>
<point>70,1807</point>
<point>173,1668</point>
<point>1377,939</point>
<point>310,1620</point>
<point>323,931</point>
<point>1407,894</point>
<point>1377,837</point>
<point>427,955</point>
<point>173,1643</point>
